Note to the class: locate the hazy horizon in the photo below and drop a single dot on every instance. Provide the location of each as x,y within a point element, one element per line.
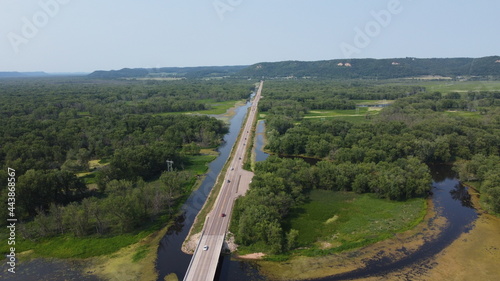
<point>67,36</point>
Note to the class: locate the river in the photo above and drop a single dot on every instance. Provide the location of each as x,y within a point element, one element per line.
<point>451,200</point>
<point>260,155</point>
<point>170,257</point>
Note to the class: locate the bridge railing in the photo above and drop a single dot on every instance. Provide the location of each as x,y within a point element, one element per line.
<point>195,250</point>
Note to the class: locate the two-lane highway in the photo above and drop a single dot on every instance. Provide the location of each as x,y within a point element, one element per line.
<point>206,256</point>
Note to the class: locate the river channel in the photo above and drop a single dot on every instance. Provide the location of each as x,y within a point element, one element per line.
<point>450,199</point>
<point>170,257</point>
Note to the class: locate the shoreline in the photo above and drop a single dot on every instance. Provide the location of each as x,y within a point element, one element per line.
<point>479,247</point>
<point>189,244</point>
<point>120,264</point>
<point>303,268</point>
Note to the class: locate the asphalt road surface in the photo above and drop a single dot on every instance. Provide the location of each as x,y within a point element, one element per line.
<point>236,182</point>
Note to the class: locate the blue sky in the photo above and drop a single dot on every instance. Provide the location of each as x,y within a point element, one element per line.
<point>87,35</point>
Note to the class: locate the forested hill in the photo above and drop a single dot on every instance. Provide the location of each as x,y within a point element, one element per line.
<point>377,68</point>
<point>334,69</point>
<point>175,72</point>
<point>14,74</point>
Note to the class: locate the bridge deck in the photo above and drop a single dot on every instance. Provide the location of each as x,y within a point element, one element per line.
<point>236,182</point>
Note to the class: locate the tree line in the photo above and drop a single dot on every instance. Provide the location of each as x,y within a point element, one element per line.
<point>51,98</point>
<point>484,171</point>
<point>123,207</point>
<point>415,126</point>
<point>375,68</point>
<point>281,184</point>
<point>52,128</point>
<point>385,155</point>
<point>325,94</point>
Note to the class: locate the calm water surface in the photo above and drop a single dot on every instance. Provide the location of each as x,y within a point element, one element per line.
<point>170,257</point>
<point>451,200</point>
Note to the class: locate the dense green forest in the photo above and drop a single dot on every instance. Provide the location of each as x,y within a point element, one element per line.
<point>292,99</point>
<point>53,128</point>
<point>162,72</point>
<point>384,154</point>
<point>56,130</point>
<point>483,171</point>
<point>331,69</point>
<point>376,68</point>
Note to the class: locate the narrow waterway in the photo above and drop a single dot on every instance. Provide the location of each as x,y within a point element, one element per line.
<point>260,155</point>
<point>451,201</point>
<point>170,257</point>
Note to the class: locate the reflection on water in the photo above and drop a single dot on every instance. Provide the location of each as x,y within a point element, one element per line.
<point>461,194</point>
<point>452,201</point>
<point>170,257</point>
<point>450,198</point>
<point>260,155</point>
<point>230,270</point>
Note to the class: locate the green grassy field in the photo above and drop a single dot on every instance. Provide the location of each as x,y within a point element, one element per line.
<point>217,108</point>
<point>84,113</point>
<point>467,114</point>
<point>336,221</point>
<point>336,112</point>
<point>199,164</point>
<point>68,246</point>
<point>358,115</point>
<point>372,102</point>
<point>459,86</point>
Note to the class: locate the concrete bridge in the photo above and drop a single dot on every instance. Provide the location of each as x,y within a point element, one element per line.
<point>236,182</point>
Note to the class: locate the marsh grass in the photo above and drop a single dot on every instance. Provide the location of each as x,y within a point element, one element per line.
<point>141,253</point>
<point>346,220</point>
<point>359,115</point>
<point>216,108</point>
<point>69,246</point>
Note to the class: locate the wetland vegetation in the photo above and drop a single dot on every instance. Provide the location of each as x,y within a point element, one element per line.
<point>90,156</point>
<point>379,158</point>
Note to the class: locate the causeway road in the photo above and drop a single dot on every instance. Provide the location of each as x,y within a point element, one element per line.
<point>236,182</point>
